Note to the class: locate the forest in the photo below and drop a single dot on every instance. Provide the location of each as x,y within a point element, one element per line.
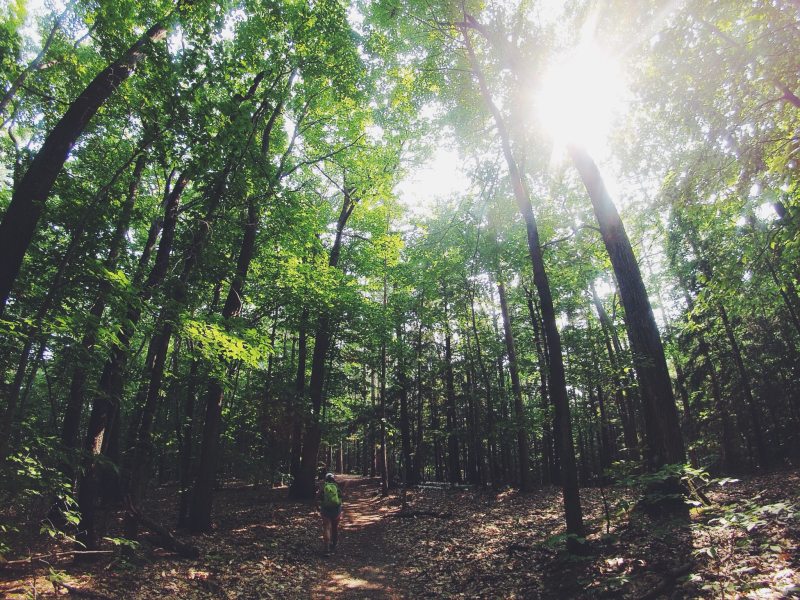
<point>522,274</point>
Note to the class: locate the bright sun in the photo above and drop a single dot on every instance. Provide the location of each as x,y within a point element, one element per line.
<point>579,97</point>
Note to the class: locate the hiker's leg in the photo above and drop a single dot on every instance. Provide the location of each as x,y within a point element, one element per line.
<point>335,530</point>
<point>326,531</point>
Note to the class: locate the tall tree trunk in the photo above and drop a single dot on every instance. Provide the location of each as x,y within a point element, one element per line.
<point>731,457</point>
<point>516,389</point>
<point>139,458</point>
<point>373,446</point>
<point>28,201</point>
<point>744,380</point>
<point>453,463</point>
<point>419,458</point>
<point>384,458</point>
<point>475,459</point>
<point>623,403</point>
<point>491,432</point>
<point>549,463</point>
<point>202,494</point>
<point>106,402</point>
<point>52,294</point>
<point>405,425</point>
<point>299,396</point>
<point>302,487</point>
<point>75,400</point>
<point>558,384</point>
<point>187,445</point>
<point>505,447</point>
<point>662,425</point>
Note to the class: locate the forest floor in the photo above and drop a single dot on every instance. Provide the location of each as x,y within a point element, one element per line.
<point>457,543</point>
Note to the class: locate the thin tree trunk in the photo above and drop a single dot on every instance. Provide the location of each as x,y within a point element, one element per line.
<point>731,458</point>
<point>516,389</point>
<point>105,404</point>
<point>549,464</point>
<point>13,393</point>
<point>202,494</point>
<point>303,487</point>
<point>419,459</point>
<point>299,395</point>
<point>75,400</point>
<point>453,463</point>
<point>187,445</point>
<point>405,426</point>
<point>384,458</point>
<point>34,65</point>
<point>558,389</point>
<point>623,405</point>
<point>139,459</point>
<point>744,380</point>
<point>491,433</point>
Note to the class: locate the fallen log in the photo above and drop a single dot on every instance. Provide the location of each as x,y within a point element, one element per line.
<point>22,561</point>
<point>443,485</point>
<point>82,593</point>
<point>166,539</point>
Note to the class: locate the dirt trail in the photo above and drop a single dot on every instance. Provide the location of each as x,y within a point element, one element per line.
<point>462,544</point>
<point>364,565</point>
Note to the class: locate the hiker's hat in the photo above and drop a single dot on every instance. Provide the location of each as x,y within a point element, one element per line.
<point>329,477</point>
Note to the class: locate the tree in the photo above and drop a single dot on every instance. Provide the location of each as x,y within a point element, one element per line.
<point>30,194</point>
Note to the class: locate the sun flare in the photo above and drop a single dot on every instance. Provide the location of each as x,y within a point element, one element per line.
<point>580,95</point>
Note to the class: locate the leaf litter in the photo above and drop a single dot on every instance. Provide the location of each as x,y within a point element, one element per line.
<point>455,543</point>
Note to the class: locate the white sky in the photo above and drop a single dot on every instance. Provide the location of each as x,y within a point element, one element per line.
<point>440,177</point>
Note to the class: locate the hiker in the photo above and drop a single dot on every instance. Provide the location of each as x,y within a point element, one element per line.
<point>331,510</point>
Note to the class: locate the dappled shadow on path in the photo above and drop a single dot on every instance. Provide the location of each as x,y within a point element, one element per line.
<point>362,566</point>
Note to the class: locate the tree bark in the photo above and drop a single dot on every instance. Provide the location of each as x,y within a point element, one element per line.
<point>558,384</point>
<point>516,389</point>
<point>106,402</point>
<point>75,400</point>
<point>453,462</point>
<point>664,442</point>
<point>27,203</point>
<point>302,487</point>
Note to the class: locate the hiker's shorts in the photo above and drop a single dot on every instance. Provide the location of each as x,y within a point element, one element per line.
<point>331,513</point>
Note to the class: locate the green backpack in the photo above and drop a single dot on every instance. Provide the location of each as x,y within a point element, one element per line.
<point>330,496</point>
